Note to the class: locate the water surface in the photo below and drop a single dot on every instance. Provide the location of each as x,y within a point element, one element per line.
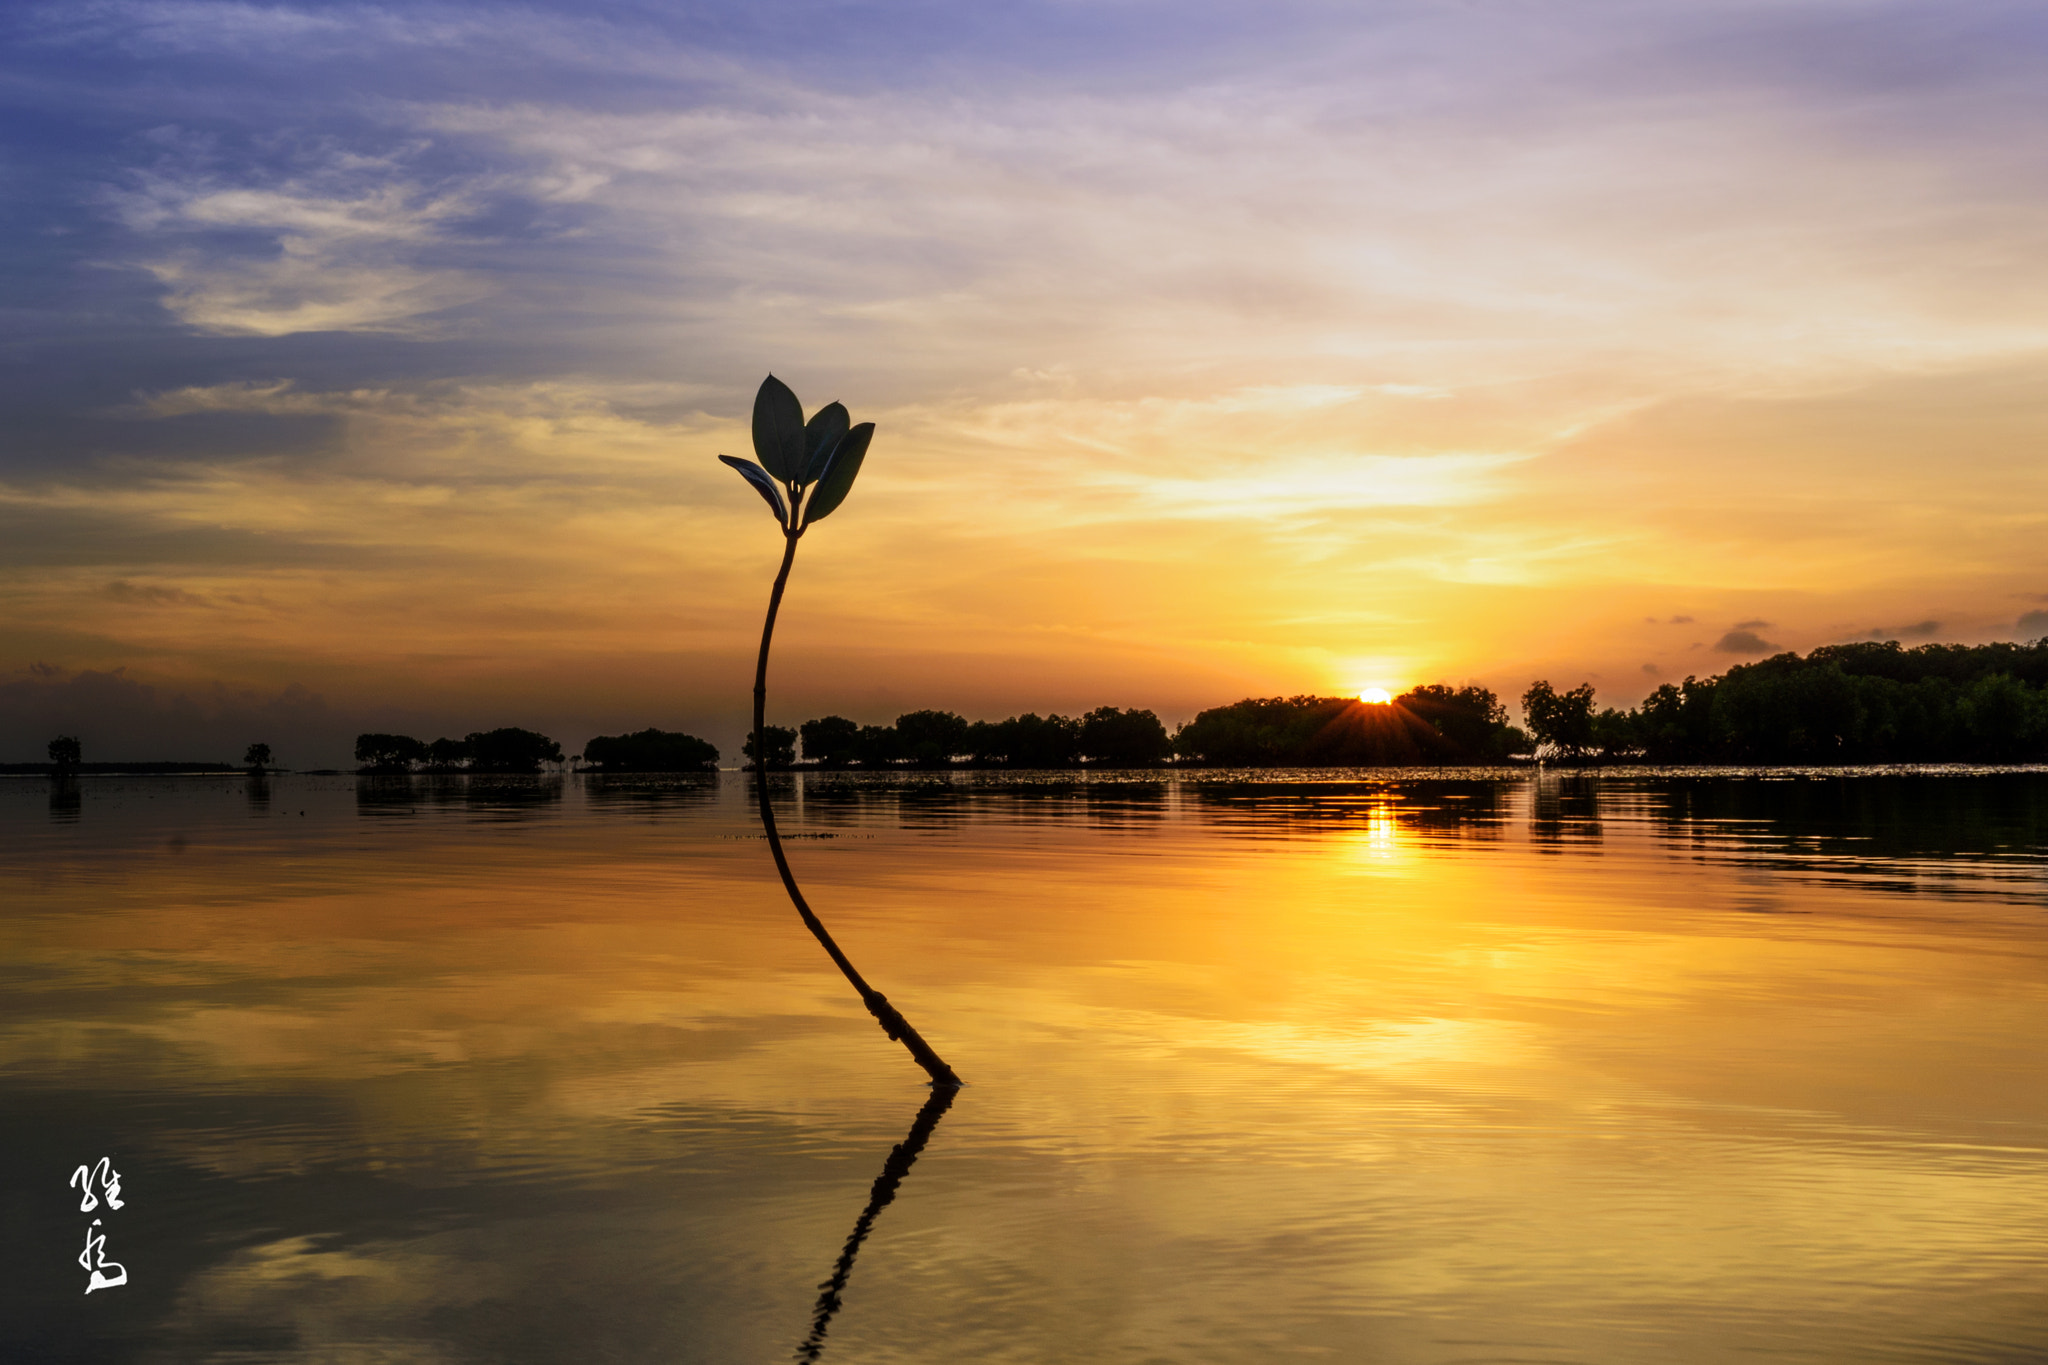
<point>1654,1067</point>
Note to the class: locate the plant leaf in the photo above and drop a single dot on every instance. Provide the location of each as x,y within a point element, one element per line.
<point>779,430</point>
<point>763,485</point>
<point>822,435</point>
<point>837,480</point>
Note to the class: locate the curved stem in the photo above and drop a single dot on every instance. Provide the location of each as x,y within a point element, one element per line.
<point>892,1021</point>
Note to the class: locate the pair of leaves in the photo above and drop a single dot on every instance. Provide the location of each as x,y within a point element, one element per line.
<point>825,451</point>
<point>789,448</point>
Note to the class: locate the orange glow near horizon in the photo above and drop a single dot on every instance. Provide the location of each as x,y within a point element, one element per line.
<point>1376,696</point>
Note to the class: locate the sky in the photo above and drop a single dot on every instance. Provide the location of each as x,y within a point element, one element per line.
<point>366,366</point>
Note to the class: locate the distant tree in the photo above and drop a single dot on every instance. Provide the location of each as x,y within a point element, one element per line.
<point>930,739</point>
<point>1564,719</point>
<point>1261,732</point>
<point>510,750</point>
<point>1124,739</point>
<point>1429,725</point>
<point>651,751</point>
<point>1471,720</point>
<point>1616,734</point>
<point>389,753</point>
<point>1675,723</point>
<point>830,741</point>
<point>65,753</point>
<point>257,757</point>
<point>780,742</point>
<point>1027,741</point>
<point>2002,720</point>
<point>879,746</point>
<point>448,753</point>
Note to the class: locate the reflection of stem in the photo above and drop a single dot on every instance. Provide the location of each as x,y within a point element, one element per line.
<point>893,1170</point>
<point>886,1014</point>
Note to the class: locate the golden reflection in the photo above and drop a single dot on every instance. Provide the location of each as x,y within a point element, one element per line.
<point>1219,1072</point>
<point>1379,839</point>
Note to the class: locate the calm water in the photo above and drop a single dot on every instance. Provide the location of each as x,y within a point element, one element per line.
<point>1656,1068</point>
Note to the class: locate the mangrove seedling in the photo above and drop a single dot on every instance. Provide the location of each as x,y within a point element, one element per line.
<point>805,472</point>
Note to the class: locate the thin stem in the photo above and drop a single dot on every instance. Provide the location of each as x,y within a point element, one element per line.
<point>892,1021</point>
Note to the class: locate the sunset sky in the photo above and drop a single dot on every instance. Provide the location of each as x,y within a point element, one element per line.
<point>366,366</point>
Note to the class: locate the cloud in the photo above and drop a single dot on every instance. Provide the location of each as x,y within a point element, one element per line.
<point>2033,623</point>
<point>338,245</point>
<point>1919,630</point>
<point>1752,625</point>
<point>1652,670</point>
<point>153,595</point>
<point>1344,482</point>
<point>1744,642</point>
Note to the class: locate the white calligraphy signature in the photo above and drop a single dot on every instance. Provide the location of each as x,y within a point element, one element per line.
<point>94,1257</point>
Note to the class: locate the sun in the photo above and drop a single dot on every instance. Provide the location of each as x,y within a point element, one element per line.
<point>1376,696</point>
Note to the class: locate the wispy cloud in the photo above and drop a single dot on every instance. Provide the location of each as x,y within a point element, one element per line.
<point>341,249</point>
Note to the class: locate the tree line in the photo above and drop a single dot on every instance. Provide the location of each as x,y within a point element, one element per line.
<point>1434,724</point>
<point>1868,702</point>
<point>1429,725</point>
<point>1871,702</point>
<point>1106,736</point>
<point>505,750</point>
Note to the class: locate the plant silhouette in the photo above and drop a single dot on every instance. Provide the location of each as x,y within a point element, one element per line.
<point>806,471</point>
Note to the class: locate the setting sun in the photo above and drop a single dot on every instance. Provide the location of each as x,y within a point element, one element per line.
<point>1376,696</point>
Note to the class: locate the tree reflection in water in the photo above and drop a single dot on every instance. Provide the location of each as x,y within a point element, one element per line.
<point>901,1158</point>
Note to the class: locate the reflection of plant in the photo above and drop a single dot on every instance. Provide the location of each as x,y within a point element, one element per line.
<point>901,1158</point>
<point>806,471</point>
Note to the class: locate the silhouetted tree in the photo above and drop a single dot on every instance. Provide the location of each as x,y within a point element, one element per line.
<point>930,739</point>
<point>778,740</point>
<point>257,757</point>
<point>448,753</point>
<point>1564,719</point>
<point>1866,702</point>
<point>1675,723</point>
<point>510,750</point>
<point>1471,720</point>
<point>830,741</point>
<point>878,746</point>
<point>1258,731</point>
<point>1616,734</point>
<point>651,751</point>
<point>2002,719</point>
<point>389,753</point>
<point>65,753</point>
<point>1124,739</point>
<point>1435,724</point>
<point>1026,741</point>
<point>820,457</point>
